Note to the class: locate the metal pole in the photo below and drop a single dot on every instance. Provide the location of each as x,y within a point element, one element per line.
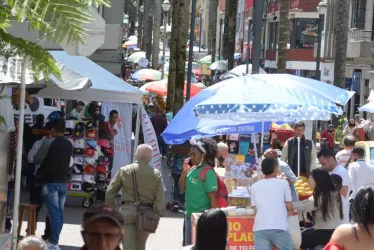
<point>318,70</point>
<point>249,44</point>
<point>257,22</point>
<point>164,46</point>
<point>140,30</point>
<point>220,39</point>
<point>149,52</point>
<point>190,54</point>
<point>201,26</point>
<point>137,129</point>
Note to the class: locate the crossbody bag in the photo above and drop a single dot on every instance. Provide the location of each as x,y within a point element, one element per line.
<point>147,220</point>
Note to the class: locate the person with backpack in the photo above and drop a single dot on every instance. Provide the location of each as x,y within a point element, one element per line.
<point>202,187</point>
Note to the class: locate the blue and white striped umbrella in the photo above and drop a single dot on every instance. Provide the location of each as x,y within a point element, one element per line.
<point>252,98</point>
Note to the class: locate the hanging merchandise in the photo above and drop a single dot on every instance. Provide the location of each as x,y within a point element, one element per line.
<point>75,186</point>
<point>92,143</point>
<point>77,169</point>
<point>90,160</point>
<point>90,134</point>
<point>78,160</point>
<point>90,178</point>
<point>79,130</point>
<point>79,143</point>
<point>89,152</point>
<point>76,177</point>
<point>88,187</point>
<point>103,160</point>
<point>89,169</point>
<point>79,151</point>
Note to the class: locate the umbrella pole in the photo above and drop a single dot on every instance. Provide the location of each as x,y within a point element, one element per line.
<point>298,156</point>
<point>17,179</point>
<point>253,137</point>
<point>262,135</point>
<point>137,130</point>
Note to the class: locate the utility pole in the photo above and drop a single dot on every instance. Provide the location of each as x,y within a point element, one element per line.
<point>257,24</point>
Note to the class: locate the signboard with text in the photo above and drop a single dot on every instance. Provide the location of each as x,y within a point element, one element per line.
<point>240,233</point>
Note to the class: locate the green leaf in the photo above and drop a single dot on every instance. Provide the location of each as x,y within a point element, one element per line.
<point>2,121</point>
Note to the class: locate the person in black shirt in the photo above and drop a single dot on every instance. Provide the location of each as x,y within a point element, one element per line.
<point>54,160</point>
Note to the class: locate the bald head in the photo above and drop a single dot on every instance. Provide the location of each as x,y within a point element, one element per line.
<point>223,150</point>
<point>143,153</point>
<point>271,153</point>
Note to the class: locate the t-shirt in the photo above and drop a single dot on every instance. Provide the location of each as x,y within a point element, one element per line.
<point>343,156</point>
<point>197,199</point>
<point>342,172</point>
<point>345,205</point>
<point>269,196</point>
<point>361,173</point>
<point>330,137</point>
<point>159,124</point>
<point>75,114</point>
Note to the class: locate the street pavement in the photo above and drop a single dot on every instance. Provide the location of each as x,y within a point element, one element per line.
<point>168,235</point>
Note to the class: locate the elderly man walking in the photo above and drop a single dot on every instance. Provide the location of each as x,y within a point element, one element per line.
<point>150,195</point>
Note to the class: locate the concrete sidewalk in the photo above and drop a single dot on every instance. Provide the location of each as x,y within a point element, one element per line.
<point>168,237</point>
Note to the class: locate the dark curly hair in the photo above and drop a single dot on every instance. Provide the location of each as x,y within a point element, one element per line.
<point>363,208</point>
<point>210,145</point>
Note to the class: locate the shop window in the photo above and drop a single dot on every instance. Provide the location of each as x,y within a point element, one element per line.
<point>358,14</point>
<point>304,33</point>
<point>273,36</point>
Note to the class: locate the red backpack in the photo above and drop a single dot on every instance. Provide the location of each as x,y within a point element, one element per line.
<point>222,193</point>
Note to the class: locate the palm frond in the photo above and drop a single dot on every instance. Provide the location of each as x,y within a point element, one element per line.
<point>41,62</point>
<point>4,18</point>
<point>56,19</point>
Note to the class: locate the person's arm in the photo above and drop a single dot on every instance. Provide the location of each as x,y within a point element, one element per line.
<point>159,201</point>
<point>35,148</point>
<point>284,156</point>
<point>211,187</point>
<point>286,170</point>
<point>113,189</point>
<point>352,177</point>
<point>288,200</point>
<point>43,151</point>
<point>305,205</point>
<point>344,191</point>
<point>253,200</point>
<point>313,157</point>
<point>182,179</point>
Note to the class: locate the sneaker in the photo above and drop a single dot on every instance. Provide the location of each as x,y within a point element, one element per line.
<point>53,246</point>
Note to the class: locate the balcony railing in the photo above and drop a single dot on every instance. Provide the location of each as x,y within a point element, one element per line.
<point>360,35</point>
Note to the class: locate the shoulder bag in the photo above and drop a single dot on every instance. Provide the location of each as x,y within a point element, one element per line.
<point>147,220</point>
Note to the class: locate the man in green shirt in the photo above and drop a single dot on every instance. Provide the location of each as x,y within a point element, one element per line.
<point>200,196</point>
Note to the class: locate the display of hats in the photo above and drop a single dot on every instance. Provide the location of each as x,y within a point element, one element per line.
<point>79,143</point>
<point>88,187</point>
<point>100,177</point>
<point>103,160</point>
<point>90,160</point>
<point>69,124</point>
<point>77,169</point>
<point>101,168</point>
<point>89,178</point>
<point>89,125</point>
<point>104,143</point>
<point>89,169</point>
<point>75,186</point>
<point>102,186</point>
<point>89,152</point>
<point>78,160</point>
<point>76,177</point>
<point>92,143</point>
<point>109,152</point>
<point>68,132</point>
<point>79,129</point>
<point>79,151</point>
<point>55,115</point>
<point>90,134</point>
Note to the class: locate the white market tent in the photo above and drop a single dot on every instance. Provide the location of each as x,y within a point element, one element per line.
<point>105,86</point>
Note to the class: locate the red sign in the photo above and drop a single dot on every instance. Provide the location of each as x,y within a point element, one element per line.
<point>240,233</point>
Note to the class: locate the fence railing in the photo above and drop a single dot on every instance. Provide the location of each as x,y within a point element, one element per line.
<point>360,35</point>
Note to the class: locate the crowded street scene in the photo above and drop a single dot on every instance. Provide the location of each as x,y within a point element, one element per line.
<point>187,125</point>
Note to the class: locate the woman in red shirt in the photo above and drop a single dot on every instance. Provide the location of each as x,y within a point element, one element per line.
<point>328,136</point>
<point>359,235</point>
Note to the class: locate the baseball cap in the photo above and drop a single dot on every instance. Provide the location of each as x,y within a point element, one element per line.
<point>68,132</point>
<point>79,129</point>
<point>104,143</point>
<point>90,160</point>
<point>77,169</point>
<point>89,125</point>
<point>90,134</point>
<point>78,160</point>
<point>79,143</point>
<point>88,187</point>
<point>76,177</point>
<point>89,178</point>
<point>103,212</point>
<point>89,152</point>
<point>89,169</point>
<point>92,143</point>
<point>109,152</point>
<point>79,151</point>
<point>103,160</point>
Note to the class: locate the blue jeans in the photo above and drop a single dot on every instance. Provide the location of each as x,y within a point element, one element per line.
<point>54,195</point>
<point>187,231</point>
<point>267,239</point>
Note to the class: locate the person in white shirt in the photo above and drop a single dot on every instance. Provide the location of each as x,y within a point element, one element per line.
<point>361,173</point>
<point>76,113</point>
<point>271,199</point>
<point>343,156</point>
<point>328,162</point>
<point>223,152</point>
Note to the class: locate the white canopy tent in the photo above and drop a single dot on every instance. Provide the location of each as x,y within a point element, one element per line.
<point>105,86</point>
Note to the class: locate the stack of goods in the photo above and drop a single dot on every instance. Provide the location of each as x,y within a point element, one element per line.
<point>302,188</point>
<point>92,159</point>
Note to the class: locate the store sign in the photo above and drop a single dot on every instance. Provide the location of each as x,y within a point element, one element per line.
<point>306,33</point>
<point>327,72</point>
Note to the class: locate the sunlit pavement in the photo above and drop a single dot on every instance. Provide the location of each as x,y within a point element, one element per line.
<point>167,237</point>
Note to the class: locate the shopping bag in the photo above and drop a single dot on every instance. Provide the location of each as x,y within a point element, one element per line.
<point>294,230</point>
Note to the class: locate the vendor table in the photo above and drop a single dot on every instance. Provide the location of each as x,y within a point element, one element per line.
<point>240,236</point>
<point>5,242</point>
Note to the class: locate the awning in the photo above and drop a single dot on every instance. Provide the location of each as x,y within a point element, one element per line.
<point>104,85</point>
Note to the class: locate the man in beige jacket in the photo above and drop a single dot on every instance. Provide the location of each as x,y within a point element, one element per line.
<point>151,195</point>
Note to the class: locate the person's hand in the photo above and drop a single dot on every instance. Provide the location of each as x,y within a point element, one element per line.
<point>115,132</point>
<point>282,176</point>
<point>186,166</point>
